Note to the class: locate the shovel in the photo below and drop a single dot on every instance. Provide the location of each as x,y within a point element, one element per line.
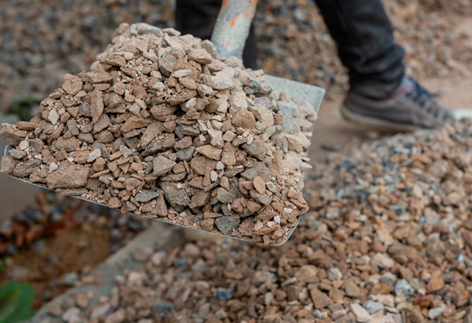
<point>229,36</point>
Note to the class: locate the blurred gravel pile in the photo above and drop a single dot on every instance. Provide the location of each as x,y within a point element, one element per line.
<point>41,41</point>
<point>388,240</point>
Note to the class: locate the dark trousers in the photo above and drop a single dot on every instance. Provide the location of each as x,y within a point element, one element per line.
<point>361,29</point>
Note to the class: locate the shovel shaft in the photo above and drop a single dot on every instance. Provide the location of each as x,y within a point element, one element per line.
<point>232,26</point>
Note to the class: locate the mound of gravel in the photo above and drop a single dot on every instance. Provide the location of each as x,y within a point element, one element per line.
<point>164,128</point>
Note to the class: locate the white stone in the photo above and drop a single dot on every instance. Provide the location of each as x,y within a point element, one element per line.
<point>53,117</point>
<point>94,155</point>
<point>435,312</point>
<point>23,145</point>
<point>360,313</point>
<point>229,136</point>
<point>53,166</point>
<point>220,166</point>
<point>213,176</point>
<point>159,86</point>
<point>382,261</point>
<point>181,73</point>
<point>237,102</point>
<point>135,278</point>
<point>70,314</point>
<point>151,57</point>
<point>334,274</point>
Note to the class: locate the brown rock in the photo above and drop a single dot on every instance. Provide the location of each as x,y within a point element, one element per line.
<point>436,282</point>
<point>307,274</point>
<point>114,203</point>
<point>416,317</point>
<point>162,165</point>
<point>72,85</point>
<point>96,105</point>
<point>228,155</point>
<point>200,56</point>
<point>256,149</point>
<point>68,176</point>
<point>151,133</point>
<point>12,135</point>
<point>8,165</point>
<point>200,199</point>
<point>320,299</point>
<point>244,119</point>
<point>183,96</point>
<point>71,144</point>
<point>207,224</point>
<point>135,123</point>
<point>259,184</point>
<point>467,236</point>
<point>161,207</point>
<point>27,126</point>
<point>351,289</point>
<point>210,152</point>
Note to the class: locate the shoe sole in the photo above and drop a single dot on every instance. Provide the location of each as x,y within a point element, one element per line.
<point>377,123</point>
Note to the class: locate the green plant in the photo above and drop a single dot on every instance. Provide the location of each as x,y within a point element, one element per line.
<point>15,302</point>
<point>22,107</point>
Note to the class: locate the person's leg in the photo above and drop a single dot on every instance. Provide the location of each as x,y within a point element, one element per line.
<point>199,17</point>
<point>364,35</point>
<point>381,94</point>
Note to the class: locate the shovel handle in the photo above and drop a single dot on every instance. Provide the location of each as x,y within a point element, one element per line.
<point>232,26</point>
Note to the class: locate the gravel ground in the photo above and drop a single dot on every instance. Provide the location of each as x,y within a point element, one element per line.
<point>388,239</point>
<point>43,40</point>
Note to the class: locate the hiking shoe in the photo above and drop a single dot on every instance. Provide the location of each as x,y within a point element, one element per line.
<point>410,108</point>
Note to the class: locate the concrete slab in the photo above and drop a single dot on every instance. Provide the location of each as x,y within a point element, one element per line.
<point>14,195</point>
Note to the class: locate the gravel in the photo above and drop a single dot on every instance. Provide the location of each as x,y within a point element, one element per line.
<point>129,159</point>
<point>43,41</point>
<point>422,272</point>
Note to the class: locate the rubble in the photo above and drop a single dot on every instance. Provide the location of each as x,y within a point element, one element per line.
<point>374,262</point>
<point>175,152</point>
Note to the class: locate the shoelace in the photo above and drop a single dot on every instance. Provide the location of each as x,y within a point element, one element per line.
<point>425,99</point>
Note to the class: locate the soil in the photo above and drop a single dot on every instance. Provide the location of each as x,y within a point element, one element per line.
<point>78,251</point>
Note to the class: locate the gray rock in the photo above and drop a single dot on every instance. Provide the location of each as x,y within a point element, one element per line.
<point>224,196</point>
<point>373,307</point>
<point>18,154</point>
<point>70,314</point>
<point>178,198</point>
<point>146,196</point>
<point>227,224</point>
<point>185,154</point>
<point>103,149</point>
<point>334,273</point>
<point>162,165</point>
<point>70,278</point>
<point>287,108</point>
<point>26,169</point>
<point>435,312</point>
<point>290,125</point>
<point>99,311</point>
<point>403,288</point>
<point>162,309</point>
<point>224,294</point>
<point>256,148</point>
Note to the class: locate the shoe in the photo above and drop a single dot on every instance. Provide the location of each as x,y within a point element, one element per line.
<point>410,108</point>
